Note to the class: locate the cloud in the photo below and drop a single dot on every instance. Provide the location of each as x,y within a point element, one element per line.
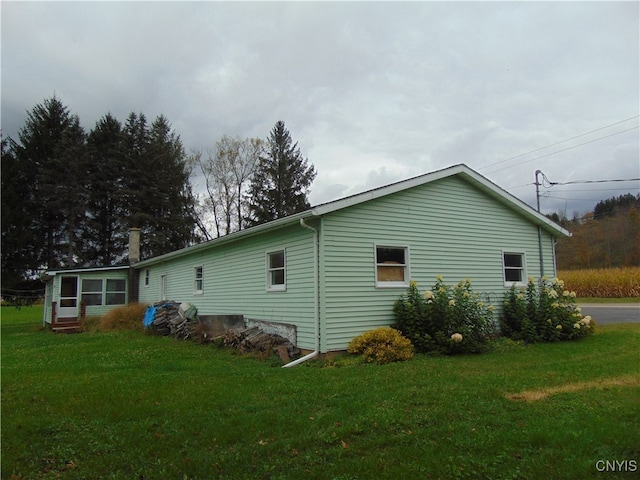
<point>372,92</point>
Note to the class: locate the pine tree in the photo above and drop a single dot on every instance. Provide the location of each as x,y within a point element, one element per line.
<point>280,184</point>
<point>157,190</point>
<point>105,238</point>
<point>51,156</point>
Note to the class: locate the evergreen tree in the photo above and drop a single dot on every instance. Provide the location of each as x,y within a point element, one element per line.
<point>68,199</point>
<point>51,159</point>
<point>18,248</point>
<point>105,237</point>
<point>157,190</point>
<point>281,181</point>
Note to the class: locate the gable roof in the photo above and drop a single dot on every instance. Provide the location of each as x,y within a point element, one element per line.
<point>462,171</point>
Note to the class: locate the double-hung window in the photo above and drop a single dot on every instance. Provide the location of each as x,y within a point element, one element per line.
<point>514,267</point>
<point>276,271</point>
<point>92,291</point>
<point>116,292</point>
<point>110,291</point>
<point>198,280</point>
<point>392,266</point>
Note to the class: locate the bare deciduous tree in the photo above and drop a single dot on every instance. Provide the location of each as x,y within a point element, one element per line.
<point>226,172</point>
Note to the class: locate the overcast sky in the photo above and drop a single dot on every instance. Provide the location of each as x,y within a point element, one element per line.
<point>372,92</point>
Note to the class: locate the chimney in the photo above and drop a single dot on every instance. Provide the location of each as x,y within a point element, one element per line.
<point>134,245</point>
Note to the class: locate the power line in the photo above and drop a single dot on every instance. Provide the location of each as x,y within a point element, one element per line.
<point>559,151</point>
<point>564,141</point>
<point>541,183</point>
<point>598,181</point>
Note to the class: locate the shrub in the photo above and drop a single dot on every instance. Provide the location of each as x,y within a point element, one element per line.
<point>543,312</point>
<point>445,320</point>
<point>126,317</point>
<point>382,345</point>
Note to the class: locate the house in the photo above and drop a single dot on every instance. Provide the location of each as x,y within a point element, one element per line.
<point>74,293</point>
<point>334,271</point>
<point>83,292</point>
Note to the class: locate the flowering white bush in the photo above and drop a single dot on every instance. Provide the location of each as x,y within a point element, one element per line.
<point>545,312</point>
<point>445,320</point>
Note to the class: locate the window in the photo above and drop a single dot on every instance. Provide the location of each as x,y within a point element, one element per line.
<point>276,271</point>
<point>392,266</point>
<point>198,280</point>
<point>163,287</point>
<point>514,268</point>
<point>146,277</point>
<point>112,291</point>
<point>116,291</point>
<point>92,291</point>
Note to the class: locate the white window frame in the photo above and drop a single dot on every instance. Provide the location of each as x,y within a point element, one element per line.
<point>407,267</point>
<point>100,292</point>
<point>147,276</point>
<point>276,287</point>
<point>522,269</point>
<point>164,287</point>
<point>198,289</point>
<point>122,292</point>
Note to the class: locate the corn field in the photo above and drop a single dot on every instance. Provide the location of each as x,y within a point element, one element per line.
<point>604,283</point>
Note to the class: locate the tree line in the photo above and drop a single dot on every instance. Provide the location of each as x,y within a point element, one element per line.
<point>609,236</point>
<point>69,197</point>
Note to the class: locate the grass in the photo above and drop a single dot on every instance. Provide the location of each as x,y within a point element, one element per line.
<point>127,405</point>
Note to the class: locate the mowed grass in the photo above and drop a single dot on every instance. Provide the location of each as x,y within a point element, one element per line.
<point>132,406</point>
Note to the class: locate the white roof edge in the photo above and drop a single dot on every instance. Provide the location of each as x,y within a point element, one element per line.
<point>246,233</point>
<point>459,169</point>
<point>84,269</point>
<point>529,212</point>
<point>386,190</point>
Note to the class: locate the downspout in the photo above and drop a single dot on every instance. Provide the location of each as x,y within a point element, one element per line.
<point>316,302</point>
<point>540,251</point>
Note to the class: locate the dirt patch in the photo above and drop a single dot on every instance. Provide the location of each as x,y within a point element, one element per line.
<point>541,394</point>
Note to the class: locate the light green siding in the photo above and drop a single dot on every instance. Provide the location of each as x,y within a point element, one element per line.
<point>457,226</point>
<point>451,229</point>
<point>235,280</point>
<point>52,291</point>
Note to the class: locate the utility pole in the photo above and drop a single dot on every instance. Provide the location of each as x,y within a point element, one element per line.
<point>539,172</point>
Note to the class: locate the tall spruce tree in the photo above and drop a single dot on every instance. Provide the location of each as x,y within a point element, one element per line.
<point>18,247</point>
<point>281,181</point>
<point>158,191</point>
<point>105,237</point>
<point>51,159</point>
<point>68,199</point>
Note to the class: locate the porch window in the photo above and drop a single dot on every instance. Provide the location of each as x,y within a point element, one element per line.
<point>92,291</point>
<point>198,274</point>
<point>392,266</point>
<point>116,291</point>
<point>513,264</point>
<point>276,271</point>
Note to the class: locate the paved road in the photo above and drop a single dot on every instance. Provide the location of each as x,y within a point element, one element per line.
<point>605,313</point>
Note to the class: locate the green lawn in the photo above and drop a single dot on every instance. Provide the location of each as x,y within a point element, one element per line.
<point>131,406</point>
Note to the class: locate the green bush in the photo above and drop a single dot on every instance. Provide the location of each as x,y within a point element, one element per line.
<point>543,312</point>
<point>382,345</point>
<point>445,320</point>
